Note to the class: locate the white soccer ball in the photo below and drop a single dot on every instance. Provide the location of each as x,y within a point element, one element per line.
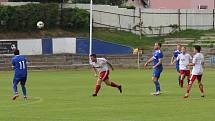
<point>40,24</point>
<point>13,47</point>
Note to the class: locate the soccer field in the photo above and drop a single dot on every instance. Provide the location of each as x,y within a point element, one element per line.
<point>66,96</point>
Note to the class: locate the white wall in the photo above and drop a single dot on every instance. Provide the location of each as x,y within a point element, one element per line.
<point>155,18</point>
<point>30,46</point>
<point>204,21</point>
<point>109,15</point>
<point>34,46</point>
<point>64,45</point>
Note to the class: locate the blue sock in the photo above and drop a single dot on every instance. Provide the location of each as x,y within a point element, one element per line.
<point>157,85</point>
<point>24,90</point>
<point>15,89</point>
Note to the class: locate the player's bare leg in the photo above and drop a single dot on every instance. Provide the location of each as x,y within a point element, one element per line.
<point>98,87</point>
<point>189,86</point>
<point>201,88</point>
<point>113,84</point>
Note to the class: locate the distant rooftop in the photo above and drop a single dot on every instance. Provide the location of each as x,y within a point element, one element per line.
<point>173,4</point>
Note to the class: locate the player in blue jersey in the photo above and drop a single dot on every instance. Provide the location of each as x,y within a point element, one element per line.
<point>157,66</point>
<point>20,74</point>
<point>175,55</point>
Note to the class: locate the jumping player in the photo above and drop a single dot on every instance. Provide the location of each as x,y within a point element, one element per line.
<point>197,63</point>
<point>157,66</point>
<point>175,55</point>
<point>101,67</point>
<point>20,75</point>
<point>184,59</point>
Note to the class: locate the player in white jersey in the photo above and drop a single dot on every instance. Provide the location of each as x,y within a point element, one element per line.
<point>197,63</point>
<point>184,59</point>
<point>101,67</point>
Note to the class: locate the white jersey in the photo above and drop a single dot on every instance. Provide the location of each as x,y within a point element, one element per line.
<point>184,60</point>
<point>198,60</point>
<point>100,65</point>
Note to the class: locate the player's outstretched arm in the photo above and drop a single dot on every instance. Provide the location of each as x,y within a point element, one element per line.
<point>191,64</point>
<point>110,65</point>
<point>148,61</point>
<point>13,64</point>
<point>95,71</point>
<point>173,60</point>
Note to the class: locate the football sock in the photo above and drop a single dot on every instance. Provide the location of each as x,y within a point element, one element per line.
<point>24,91</point>
<point>15,89</point>
<point>181,83</point>
<point>157,85</point>
<point>97,89</point>
<point>189,88</point>
<point>201,88</point>
<point>114,84</point>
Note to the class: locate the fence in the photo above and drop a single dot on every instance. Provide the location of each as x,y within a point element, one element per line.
<point>149,21</point>
<point>146,21</point>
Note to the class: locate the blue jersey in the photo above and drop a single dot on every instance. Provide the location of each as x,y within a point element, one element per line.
<point>175,55</point>
<point>20,66</point>
<point>158,54</point>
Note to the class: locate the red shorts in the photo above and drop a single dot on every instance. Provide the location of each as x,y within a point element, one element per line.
<point>194,77</point>
<point>104,75</point>
<point>185,72</point>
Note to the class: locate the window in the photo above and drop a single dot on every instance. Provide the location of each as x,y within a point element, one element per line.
<point>202,7</point>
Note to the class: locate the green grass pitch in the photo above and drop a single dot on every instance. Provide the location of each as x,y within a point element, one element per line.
<point>66,96</point>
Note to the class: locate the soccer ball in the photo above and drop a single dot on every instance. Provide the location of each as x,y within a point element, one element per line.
<point>40,24</point>
<point>13,47</point>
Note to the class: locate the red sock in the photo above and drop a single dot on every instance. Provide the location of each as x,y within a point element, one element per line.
<point>97,89</point>
<point>189,88</point>
<point>181,83</point>
<point>114,84</point>
<point>201,88</point>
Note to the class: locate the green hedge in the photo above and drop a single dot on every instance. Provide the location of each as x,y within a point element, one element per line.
<point>24,18</point>
<point>75,19</point>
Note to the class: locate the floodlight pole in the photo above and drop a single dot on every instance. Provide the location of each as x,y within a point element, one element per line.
<point>91,26</point>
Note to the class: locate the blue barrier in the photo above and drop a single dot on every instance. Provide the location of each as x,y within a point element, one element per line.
<point>100,47</point>
<point>47,46</point>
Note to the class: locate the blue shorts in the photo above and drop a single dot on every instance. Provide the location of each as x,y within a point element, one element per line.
<point>157,72</point>
<point>22,80</point>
